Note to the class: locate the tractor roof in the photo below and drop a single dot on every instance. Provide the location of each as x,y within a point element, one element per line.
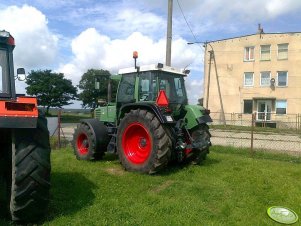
<point>153,67</point>
<point>6,38</point>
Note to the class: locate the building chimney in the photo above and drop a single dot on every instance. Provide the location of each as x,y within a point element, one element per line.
<point>260,29</point>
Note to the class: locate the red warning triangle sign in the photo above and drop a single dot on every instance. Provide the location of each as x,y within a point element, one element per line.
<point>162,100</point>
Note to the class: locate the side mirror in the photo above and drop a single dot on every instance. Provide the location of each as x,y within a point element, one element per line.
<point>186,71</point>
<point>21,76</point>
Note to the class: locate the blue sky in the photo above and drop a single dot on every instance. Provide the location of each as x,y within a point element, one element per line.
<point>72,36</point>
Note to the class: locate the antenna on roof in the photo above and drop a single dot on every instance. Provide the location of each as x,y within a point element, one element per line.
<point>260,30</point>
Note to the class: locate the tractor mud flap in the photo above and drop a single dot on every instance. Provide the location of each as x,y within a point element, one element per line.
<point>204,119</point>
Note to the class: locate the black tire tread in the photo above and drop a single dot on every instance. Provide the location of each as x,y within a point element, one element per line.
<point>30,182</point>
<point>162,144</point>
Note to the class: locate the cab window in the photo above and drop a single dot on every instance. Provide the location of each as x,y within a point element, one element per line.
<point>178,85</point>
<point>4,76</point>
<point>147,86</point>
<point>126,89</point>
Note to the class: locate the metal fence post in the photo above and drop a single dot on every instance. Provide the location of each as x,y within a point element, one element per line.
<point>59,128</point>
<point>252,134</point>
<point>298,122</point>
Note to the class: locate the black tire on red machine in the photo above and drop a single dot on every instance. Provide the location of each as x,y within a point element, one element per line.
<point>5,168</point>
<point>142,143</point>
<point>90,140</point>
<point>29,179</point>
<point>200,134</point>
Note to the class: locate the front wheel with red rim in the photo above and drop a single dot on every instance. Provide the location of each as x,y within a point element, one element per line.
<point>142,143</point>
<point>82,144</point>
<point>90,140</point>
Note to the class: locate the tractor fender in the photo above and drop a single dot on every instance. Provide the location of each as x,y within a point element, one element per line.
<point>195,115</point>
<point>99,130</point>
<point>147,106</point>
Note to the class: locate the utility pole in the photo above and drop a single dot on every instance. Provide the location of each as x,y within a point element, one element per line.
<point>169,34</point>
<point>212,58</point>
<point>219,89</point>
<point>209,75</point>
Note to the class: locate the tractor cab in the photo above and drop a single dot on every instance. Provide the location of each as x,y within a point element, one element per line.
<point>155,86</point>
<point>7,82</point>
<point>150,80</point>
<point>15,112</point>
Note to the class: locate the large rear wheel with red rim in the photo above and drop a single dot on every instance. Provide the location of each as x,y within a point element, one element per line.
<point>142,143</point>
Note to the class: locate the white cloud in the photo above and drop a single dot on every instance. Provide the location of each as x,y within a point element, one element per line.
<point>36,46</point>
<point>278,7</point>
<point>218,16</point>
<point>244,10</point>
<point>93,50</point>
<point>125,20</point>
<point>132,20</point>
<point>194,88</point>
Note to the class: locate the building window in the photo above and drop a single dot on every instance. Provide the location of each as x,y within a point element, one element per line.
<point>265,52</point>
<point>281,106</point>
<point>248,106</point>
<point>265,78</point>
<point>249,53</point>
<point>248,78</point>
<point>282,51</point>
<point>282,78</point>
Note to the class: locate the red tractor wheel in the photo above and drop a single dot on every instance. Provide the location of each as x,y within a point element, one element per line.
<point>136,143</point>
<point>90,140</point>
<point>82,144</point>
<point>142,143</point>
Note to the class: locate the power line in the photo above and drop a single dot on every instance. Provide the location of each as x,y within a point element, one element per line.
<point>186,21</point>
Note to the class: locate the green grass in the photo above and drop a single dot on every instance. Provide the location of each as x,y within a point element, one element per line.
<point>230,188</point>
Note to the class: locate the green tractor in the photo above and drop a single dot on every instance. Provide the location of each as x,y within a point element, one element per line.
<point>149,125</point>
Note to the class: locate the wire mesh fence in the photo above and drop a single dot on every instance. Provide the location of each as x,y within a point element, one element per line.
<point>61,125</point>
<point>258,131</point>
<point>252,131</point>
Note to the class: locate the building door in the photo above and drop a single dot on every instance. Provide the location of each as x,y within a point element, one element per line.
<point>264,108</point>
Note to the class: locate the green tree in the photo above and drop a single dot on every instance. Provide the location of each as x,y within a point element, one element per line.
<point>51,89</point>
<point>89,95</point>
